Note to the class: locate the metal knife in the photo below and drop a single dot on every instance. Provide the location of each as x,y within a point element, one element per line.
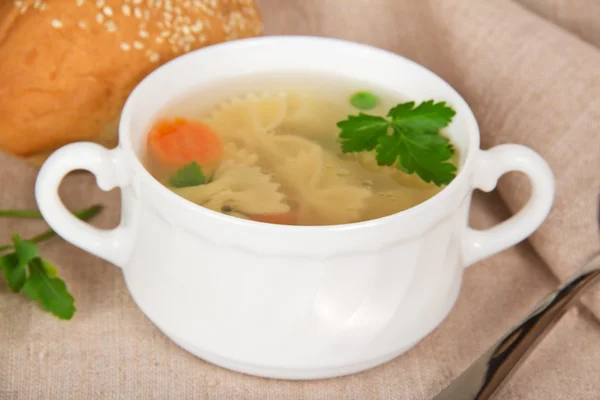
<point>482,379</point>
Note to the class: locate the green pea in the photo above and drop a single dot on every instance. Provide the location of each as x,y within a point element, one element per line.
<point>363,100</point>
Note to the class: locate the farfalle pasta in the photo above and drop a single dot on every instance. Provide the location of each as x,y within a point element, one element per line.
<point>240,118</point>
<point>239,187</point>
<point>239,155</point>
<point>324,195</point>
<point>279,160</point>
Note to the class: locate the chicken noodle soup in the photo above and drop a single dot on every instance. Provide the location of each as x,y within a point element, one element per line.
<point>269,150</point>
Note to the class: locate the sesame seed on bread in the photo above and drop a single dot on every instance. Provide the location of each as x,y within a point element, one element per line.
<point>67,66</point>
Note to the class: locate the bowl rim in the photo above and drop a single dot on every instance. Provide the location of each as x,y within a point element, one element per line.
<point>125,143</point>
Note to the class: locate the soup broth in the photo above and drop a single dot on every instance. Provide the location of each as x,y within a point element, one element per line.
<point>271,153</point>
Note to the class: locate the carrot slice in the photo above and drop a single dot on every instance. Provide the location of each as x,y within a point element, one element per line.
<point>287,218</point>
<point>178,142</point>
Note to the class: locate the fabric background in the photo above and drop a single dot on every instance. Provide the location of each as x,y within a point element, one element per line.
<point>531,72</point>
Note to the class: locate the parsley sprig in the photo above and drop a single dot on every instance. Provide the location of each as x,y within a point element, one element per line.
<point>189,175</point>
<point>25,271</point>
<point>408,137</point>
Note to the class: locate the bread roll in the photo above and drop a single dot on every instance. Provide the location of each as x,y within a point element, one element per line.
<point>67,66</point>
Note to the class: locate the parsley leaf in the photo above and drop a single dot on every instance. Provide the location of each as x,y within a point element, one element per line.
<point>14,272</point>
<point>428,117</point>
<point>188,175</point>
<point>361,132</point>
<point>43,286</point>
<point>14,264</point>
<point>424,154</point>
<point>25,271</point>
<point>410,139</point>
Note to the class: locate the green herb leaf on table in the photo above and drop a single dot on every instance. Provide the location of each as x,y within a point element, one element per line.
<point>14,272</point>
<point>188,175</point>
<point>363,100</point>
<point>31,214</point>
<point>83,215</point>
<point>25,271</point>
<point>43,286</point>
<point>410,138</point>
<point>14,264</point>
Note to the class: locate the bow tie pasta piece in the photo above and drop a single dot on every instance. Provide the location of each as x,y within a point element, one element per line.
<point>312,116</point>
<point>269,110</point>
<point>241,188</point>
<point>248,202</point>
<point>278,148</point>
<point>268,149</point>
<point>250,123</point>
<point>241,118</point>
<point>239,155</point>
<point>325,195</point>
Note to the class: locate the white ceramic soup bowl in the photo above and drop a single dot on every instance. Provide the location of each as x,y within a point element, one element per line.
<point>292,302</point>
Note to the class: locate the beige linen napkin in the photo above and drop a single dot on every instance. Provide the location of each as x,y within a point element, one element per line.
<point>580,17</point>
<point>531,73</point>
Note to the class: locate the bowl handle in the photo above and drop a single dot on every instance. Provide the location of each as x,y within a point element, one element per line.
<point>112,245</point>
<point>491,165</point>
